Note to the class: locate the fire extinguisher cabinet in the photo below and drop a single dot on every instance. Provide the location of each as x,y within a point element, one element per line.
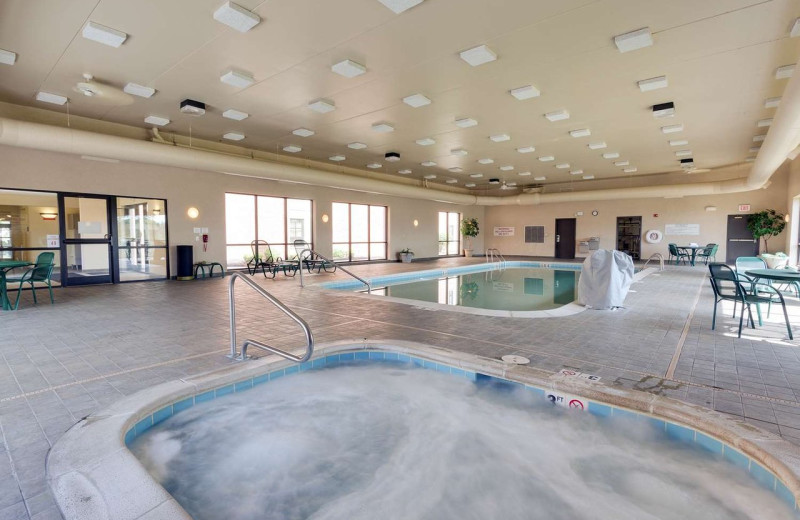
<point>185,262</point>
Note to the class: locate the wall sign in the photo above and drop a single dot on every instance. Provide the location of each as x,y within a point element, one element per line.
<point>503,286</point>
<point>682,229</point>
<point>52,241</point>
<point>504,231</point>
<point>744,207</point>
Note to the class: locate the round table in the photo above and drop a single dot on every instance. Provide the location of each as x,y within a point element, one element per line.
<point>778,275</point>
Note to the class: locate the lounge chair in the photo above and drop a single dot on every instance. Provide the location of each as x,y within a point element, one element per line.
<point>310,259</point>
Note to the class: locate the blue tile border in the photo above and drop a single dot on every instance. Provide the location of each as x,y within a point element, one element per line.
<point>677,432</point>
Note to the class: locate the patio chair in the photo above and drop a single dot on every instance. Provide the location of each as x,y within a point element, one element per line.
<point>743,264</point>
<point>40,272</point>
<point>310,259</point>
<point>708,253</point>
<point>261,256</point>
<point>726,285</point>
<point>677,253</point>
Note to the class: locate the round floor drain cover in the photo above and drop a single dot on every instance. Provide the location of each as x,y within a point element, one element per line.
<point>517,360</point>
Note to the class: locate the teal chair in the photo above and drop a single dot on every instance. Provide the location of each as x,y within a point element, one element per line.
<point>743,264</point>
<point>708,253</point>
<point>677,253</point>
<point>41,272</point>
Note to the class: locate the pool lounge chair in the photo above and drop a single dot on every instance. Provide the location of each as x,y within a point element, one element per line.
<point>310,259</point>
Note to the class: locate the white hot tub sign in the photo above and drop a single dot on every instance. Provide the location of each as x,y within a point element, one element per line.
<point>567,401</point>
<point>504,231</point>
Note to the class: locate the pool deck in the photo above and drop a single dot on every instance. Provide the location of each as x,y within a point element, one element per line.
<point>97,344</point>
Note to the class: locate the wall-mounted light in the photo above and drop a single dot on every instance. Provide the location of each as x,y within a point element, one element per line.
<point>156,211</point>
<point>325,217</point>
<point>49,216</point>
<point>711,208</point>
<point>416,222</point>
<point>193,212</point>
<point>786,217</point>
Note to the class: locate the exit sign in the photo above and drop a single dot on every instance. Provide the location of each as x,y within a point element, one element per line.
<point>744,207</point>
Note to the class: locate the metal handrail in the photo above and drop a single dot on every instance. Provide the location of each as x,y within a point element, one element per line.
<point>491,253</point>
<point>657,256</point>
<point>286,310</point>
<point>300,259</point>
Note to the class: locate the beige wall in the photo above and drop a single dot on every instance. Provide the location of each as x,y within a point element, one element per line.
<point>792,233</point>
<point>29,169</point>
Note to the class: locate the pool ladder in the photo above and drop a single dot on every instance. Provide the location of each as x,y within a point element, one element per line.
<point>655,256</point>
<point>263,346</point>
<point>314,253</point>
<point>493,255</point>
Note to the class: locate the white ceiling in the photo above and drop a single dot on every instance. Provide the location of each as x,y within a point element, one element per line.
<point>719,57</point>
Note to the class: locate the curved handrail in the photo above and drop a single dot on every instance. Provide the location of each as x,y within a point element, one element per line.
<point>491,253</point>
<point>286,310</point>
<point>655,256</point>
<point>312,252</point>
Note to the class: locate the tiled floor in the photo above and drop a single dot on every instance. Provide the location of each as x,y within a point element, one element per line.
<point>62,362</point>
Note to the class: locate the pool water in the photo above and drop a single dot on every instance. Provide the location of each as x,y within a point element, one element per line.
<point>513,289</point>
<point>389,440</point>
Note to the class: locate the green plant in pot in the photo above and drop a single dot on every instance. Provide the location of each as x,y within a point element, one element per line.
<point>406,255</point>
<point>469,229</point>
<point>766,224</point>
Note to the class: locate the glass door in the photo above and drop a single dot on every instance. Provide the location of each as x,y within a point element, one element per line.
<point>86,249</point>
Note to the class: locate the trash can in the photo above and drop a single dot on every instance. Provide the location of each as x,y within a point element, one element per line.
<point>185,262</point>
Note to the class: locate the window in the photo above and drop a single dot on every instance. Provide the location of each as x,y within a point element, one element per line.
<point>359,232</point>
<point>141,238</point>
<point>28,226</point>
<point>279,221</point>
<point>449,235</point>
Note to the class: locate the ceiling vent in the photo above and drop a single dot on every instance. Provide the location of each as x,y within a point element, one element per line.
<point>664,109</point>
<point>687,163</point>
<point>392,156</point>
<point>494,181</point>
<point>192,107</point>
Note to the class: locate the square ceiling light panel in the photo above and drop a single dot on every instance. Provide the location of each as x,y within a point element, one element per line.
<point>526,149</point>
<point>337,158</point>
<point>399,6</point>
<point>526,92</point>
<point>562,166</point>
<point>357,146</point>
<point>374,166</point>
<point>499,138</point>
<point>348,69</point>
<point>683,153</point>
<point>678,142</point>
<point>236,115</point>
<point>233,136</point>
<point>7,57</point>
<point>622,163</point>
<point>465,122</point>
<point>430,176</point>
<point>292,149</point>
<point>773,102</point>
<point>47,97</point>
<point>540,178</point>
<point>576,172</point>
<point>138,90</point>
<point>469,185</point>
<point>630,170</point>
<point>634,40</point>
<point>671,129</point>
<point>303,132</point>
<point>784,72</point>
<point>759,138</point>
<point>486,160</point>
<point>763,123</point>
<point>451,181</point>
<point>558,115</point>
<point>236,17</point>
<point>588,177</point>
<point>476,175</point>
<point>646,85</point>
<point>403,172</point>
<point>383,128</point>
<point>416,100</point>
<point>425,141</point>
<point>611,155</point>
<point>322,106</point>
<point>459,152</point>
<point>598,145</point>
<point>524,174</point>
<point>456,169</point>
<point>583,132</point>
<point>547,158</point>
<point>795,31</point>
<point>156,120</point>
<point>507,168</point>
<point>428,163</point>
<point>237,79</point>
<point>102,34</point>
<point>478,55</point>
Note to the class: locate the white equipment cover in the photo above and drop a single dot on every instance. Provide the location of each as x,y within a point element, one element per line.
<point>605,279</point>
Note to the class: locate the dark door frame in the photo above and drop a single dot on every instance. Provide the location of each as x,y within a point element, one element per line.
<point>113,257</point>
<point>559,244</point>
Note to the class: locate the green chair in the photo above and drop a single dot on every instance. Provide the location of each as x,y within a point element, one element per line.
<point>41,272</point>
<point>708,253</point>
<point>677,253</point>
<point>743,264</point>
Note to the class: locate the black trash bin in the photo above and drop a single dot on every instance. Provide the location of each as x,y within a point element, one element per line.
<point>185,263</point>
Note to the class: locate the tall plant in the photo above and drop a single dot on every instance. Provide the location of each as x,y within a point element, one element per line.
<point>469,228</point>
<point>766,224</point>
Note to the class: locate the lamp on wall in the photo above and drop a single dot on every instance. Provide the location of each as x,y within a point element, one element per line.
<point>49,216</point>
<point>325,218</point>
<point>193,212</point>
<point>416,222</point>
<point>156,211</point>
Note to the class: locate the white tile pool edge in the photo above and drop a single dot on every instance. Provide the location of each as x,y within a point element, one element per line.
<point>93,475</point>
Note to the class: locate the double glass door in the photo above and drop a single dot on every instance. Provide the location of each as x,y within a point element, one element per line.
<point>87,236</point>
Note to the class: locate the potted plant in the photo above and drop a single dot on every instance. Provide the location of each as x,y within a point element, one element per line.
<point>469,228</point>
<point>776,261</point>
<point>406,255</point>
<point>766,224</point>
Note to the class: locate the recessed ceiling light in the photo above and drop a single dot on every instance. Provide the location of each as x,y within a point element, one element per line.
<point>430,176</point>
<point>526,149</point>
<point>374,166</point>
<point>102,34</point>
<point>562,166</point>
<point>425,141</point>
<point>507,168</point>
<point>583,132</point>
<point>403,172</point>
<point>486,160</point>
<point>683,153</point>
<point>524,174</point>
<point>428,163</point>
<point>558,115</point>
<point>546,158</point>
<point>671,129</point>
<point>772,102</point>
<point>610,155</point>
<point>476,175</point>
<point>763,123</point>
<point>478,55</point>
<point>156,120</point>
<point>7,57</point>
<point>576,172</point>
<point>236,17</point>
<point>597,146</point>
<point>630,170</point>
<point>664,109</point>
<point>357,146</point>
<point>451,181</point>
<point>237,79</point>
<point>469,185</point>
<point>511,184</point>
<point>138,90</point>
<point>784,72</point>
<point>542,178</point>
<point>416,100</point>
<point>459,152</point>
<point>656,83</point>
<point>795,31</point>
<point>348,69</point>
<point>634,40</point>
<point>383,127</point>
<point>759,138</point>
<point>322,106</point>
<point>678,142</point>
<point>750,159</point>
<point>292,149</point>
<point>456,169</point>
<point>466,122</point>
<point>499,138</point>
<point>622,163</point>
<point>233,136</point>
<point>398,6</point>
<point>337,158</point>
<point>236,115</point>
<point>47,97</point>
<point>303,132</point>
<point>588,177</point>
<point>754,149</point>
<point>391,156</point>
<point>526,92</point>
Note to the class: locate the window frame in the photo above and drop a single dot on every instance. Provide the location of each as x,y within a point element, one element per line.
<point>448,240</point>
<point>369,242</point>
